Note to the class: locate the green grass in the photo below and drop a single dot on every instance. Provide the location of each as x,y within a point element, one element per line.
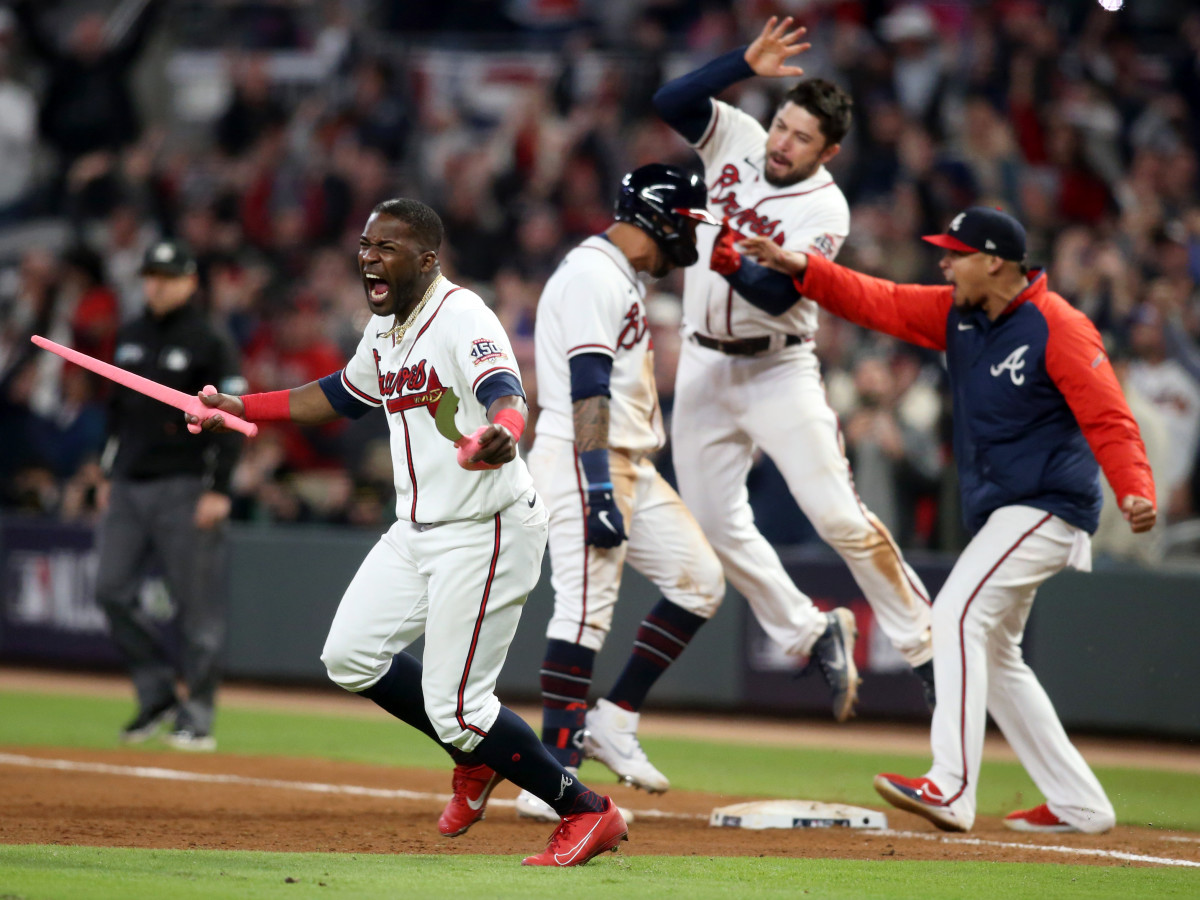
<point>89,873</point>
<point>1141,796</point>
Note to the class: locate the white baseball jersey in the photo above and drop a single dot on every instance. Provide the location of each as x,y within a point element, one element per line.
<point>594,303</point>
<point>733,150</point>
<point>456,342</point>
<point>727,406</point>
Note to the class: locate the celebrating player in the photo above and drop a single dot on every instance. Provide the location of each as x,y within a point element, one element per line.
<point>1033,391</point>
<point>467,545</point>
<point>599,424</point>
<point>748,376</point>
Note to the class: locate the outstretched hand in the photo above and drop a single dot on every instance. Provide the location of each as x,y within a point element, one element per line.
<point>767,253</point>
<point>769,52</point>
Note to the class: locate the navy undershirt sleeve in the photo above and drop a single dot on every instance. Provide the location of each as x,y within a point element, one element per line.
<point>340,399</point>
<point>500,384</point>
<point>771,291</point>
<point>686,103</point>
<point>590,375</point>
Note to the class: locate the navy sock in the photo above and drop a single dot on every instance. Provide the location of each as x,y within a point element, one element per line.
<point>399,693</point>
<point>566,678</point>
<point>513,750</point>
<point>660,639</point>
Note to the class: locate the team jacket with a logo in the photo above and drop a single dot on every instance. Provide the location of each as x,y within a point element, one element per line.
<point>456,342</point>
<point>1032,391</point>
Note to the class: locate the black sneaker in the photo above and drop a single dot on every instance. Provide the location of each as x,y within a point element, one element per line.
<point>925,672</point>
<point>833,654</point>
<point>148,722</point>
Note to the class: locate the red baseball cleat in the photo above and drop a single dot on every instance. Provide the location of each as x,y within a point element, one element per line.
<point>471,785</point>
<point>920,796</point>
<point>580,837</point>
<point>1037,819</point>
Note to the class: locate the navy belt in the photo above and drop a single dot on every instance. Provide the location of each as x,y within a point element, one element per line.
<point>745,346</point>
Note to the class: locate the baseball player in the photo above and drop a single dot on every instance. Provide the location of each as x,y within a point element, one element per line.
<point>748,376</point>
<point>599,424</point>
<point>467,545</point>
<point>1036,403</point>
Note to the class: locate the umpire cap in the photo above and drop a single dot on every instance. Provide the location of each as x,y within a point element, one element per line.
<point>983,230</point>
<point>168,257</point>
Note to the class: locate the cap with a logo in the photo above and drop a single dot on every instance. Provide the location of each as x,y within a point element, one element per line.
<point>168,257</point>
<point>981,229</point>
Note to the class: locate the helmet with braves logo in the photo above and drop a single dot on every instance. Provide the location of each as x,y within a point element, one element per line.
<point>661,200</point>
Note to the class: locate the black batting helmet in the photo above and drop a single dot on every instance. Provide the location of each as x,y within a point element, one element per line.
<point>660,199</point>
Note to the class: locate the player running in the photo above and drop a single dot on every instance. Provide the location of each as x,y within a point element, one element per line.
<point>467,545</point>
<point>1036,403</point>
<point>598,427</point>
<point>748,375</point>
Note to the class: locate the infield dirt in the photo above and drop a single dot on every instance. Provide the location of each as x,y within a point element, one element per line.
<point>118,808</point>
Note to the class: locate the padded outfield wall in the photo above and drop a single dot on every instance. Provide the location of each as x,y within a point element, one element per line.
<point>1116,649</point>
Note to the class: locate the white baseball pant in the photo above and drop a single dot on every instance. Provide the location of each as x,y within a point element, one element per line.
<point>664,543</point>
<point>978,622</point>
<point>725,406</point>
<point>462,584</point>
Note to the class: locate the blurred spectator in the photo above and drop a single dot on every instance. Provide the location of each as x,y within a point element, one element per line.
<point>1113,537</point>
<point>18,130</point>
<point>87,105</point>
<point>1176,396</point>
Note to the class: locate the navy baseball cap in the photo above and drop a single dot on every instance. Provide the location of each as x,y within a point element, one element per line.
<point>982,229</point>
<point>168,257</point>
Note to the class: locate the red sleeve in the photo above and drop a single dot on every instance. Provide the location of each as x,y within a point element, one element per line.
<point>911,312</point>
<point>1079,367</point>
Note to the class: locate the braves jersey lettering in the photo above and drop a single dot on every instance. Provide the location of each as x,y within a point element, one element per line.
<point>412,377</point>
<point>733,153</point>
<point>443,349</point>
<point>747,221</point>
<point>637,326</point>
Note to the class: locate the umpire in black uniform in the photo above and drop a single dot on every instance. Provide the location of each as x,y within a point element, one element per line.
<point>168,505</point>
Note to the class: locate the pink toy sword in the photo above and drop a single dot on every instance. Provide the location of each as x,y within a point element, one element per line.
<point>170,396</point>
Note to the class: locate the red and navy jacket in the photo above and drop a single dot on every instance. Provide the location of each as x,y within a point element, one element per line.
<point>1036,402</point>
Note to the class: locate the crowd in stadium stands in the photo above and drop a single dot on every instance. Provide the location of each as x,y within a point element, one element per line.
<point>1083,123</point>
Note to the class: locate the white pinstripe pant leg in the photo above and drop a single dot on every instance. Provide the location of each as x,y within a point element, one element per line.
<point>978,622</point>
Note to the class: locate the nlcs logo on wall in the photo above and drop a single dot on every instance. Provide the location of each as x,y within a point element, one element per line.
<point>485,349</point>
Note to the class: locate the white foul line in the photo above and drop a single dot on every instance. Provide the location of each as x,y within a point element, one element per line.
<point>315,787</point>
<point>1048,848</point>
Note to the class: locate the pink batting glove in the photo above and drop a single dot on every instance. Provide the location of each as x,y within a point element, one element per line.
<point>195,428</point>
<point>468,447</point>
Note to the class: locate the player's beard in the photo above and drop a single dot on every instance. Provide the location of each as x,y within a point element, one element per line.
<point>794,176</point>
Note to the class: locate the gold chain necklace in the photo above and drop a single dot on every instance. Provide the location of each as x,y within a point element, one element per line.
<point>397,331</point>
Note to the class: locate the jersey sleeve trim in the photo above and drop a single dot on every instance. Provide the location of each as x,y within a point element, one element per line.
<point>591,348</point>
<point>483,375</point>
<point>500,384</point>
<point>344,402</point>
<point>712,127</point>
<point>361,395</point>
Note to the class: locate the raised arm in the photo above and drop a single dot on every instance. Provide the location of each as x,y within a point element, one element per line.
<point>686,103</point>
<point>910,312</point>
